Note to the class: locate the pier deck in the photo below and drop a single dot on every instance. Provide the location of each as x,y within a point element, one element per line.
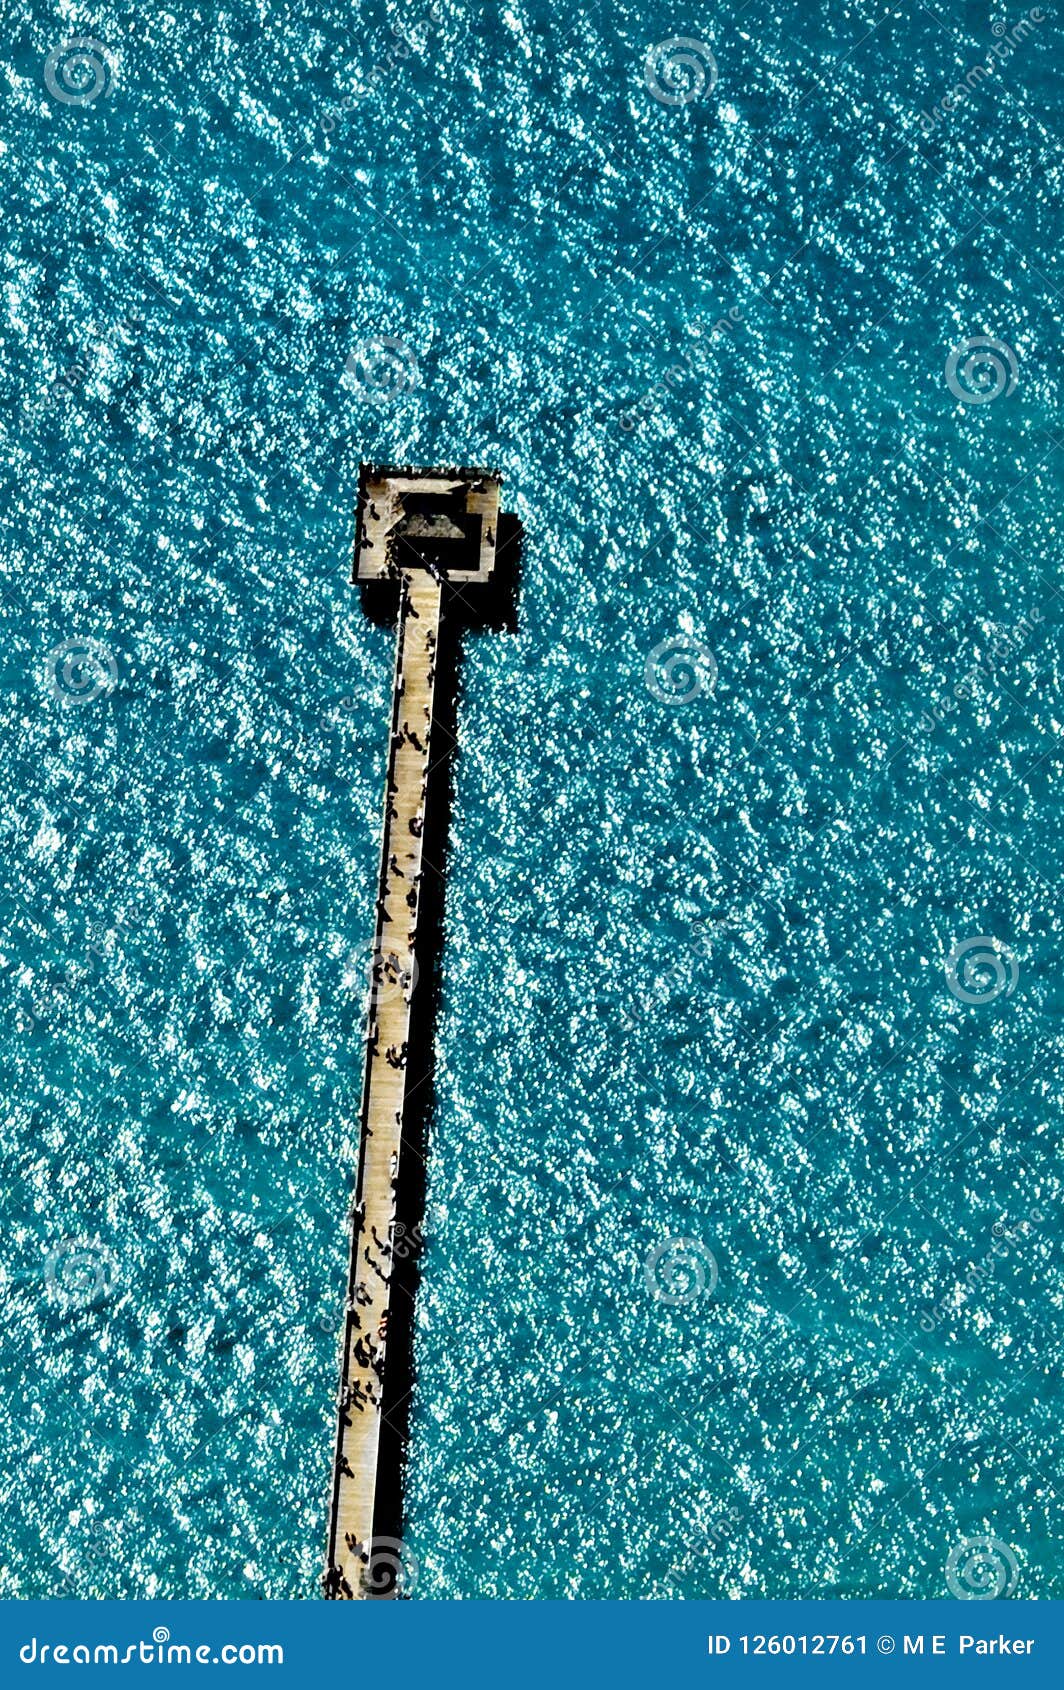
<point>393,978</point>
<point>430,538</point>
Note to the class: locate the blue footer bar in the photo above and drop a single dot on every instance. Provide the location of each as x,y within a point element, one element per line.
<point>469,1645</point>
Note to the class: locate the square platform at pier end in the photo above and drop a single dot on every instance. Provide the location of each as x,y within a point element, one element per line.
<point>442,520</point>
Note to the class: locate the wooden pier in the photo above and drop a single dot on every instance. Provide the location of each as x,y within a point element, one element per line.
<point>425,539</point>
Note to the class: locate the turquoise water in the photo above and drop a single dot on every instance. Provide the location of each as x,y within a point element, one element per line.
<point>702,980</point>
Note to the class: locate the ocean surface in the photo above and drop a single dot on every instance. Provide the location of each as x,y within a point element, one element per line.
<point>743,1236</point>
